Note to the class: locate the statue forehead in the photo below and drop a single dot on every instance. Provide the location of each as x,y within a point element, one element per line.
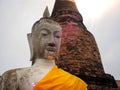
<point>48,25</point>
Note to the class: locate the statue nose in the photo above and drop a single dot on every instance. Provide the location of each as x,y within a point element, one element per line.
<point>51,44</point>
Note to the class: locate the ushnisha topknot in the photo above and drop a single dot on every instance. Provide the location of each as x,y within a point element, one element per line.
<point>46,13</point>
<point>45,19</point>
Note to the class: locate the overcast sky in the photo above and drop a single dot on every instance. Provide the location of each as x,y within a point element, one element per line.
<point>18,16</point>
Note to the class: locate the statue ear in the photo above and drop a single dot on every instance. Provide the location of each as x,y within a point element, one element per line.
<point>29,36</point>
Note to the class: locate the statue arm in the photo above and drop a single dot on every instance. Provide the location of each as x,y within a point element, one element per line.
<point>8,81</point>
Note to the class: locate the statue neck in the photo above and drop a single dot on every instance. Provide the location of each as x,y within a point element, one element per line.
<point>44,63</point>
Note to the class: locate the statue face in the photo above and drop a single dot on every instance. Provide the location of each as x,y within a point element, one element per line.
<point>46,39</point>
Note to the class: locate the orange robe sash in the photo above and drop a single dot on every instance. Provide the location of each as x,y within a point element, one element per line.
<point>58,79</point>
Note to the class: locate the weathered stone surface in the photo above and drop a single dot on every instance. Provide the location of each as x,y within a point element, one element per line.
<point>79,53</point>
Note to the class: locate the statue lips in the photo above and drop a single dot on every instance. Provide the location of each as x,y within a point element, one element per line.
<point>51,53</point>
<point>51,49</point>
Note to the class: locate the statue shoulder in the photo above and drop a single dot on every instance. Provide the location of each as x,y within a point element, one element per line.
<point>8,81</point>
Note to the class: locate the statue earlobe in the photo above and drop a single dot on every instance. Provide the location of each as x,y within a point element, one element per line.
<point>29,37</point>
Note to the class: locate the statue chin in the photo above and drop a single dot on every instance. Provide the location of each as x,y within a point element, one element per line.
<point>51,55</point>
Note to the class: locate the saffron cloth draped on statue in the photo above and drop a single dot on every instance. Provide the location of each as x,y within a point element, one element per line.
<point>58,79</point>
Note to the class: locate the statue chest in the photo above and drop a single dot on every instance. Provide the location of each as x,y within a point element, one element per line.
<point>29,77</point>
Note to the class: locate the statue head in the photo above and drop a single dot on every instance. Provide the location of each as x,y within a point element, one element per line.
<point>45,39</point>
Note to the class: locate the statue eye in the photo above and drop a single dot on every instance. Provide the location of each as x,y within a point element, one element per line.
<point>44,34</point>
<point>57,36</point>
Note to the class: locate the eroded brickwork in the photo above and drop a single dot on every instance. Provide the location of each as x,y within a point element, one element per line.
<point>79,53</point>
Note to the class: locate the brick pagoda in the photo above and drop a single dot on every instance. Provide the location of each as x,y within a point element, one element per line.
<point>79,52</point>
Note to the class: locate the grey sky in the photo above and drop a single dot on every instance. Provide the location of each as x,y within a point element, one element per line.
<point>18,16</point>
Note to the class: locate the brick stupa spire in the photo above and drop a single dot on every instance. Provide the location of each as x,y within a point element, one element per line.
<point>79,53</point>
